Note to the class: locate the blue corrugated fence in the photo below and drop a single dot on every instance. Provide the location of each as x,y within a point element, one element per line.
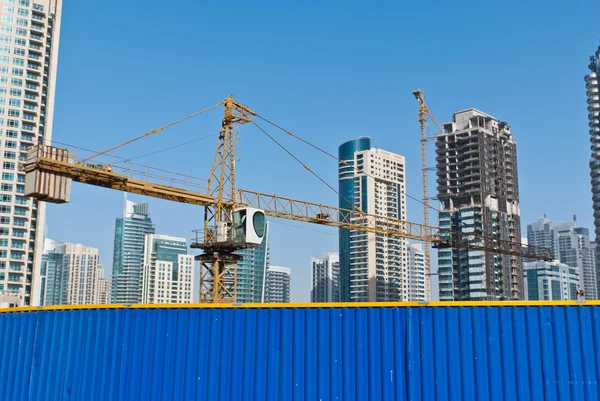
<point>374,353</point>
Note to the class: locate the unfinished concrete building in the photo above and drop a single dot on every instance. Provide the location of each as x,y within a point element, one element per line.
<point>478,190</point>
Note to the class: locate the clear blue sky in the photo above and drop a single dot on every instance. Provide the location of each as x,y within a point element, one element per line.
<point>329,71</point>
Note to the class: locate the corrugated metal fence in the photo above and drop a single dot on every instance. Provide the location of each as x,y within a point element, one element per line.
<point>350,353</point>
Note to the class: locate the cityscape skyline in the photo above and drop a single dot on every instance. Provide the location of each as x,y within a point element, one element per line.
<point>532,196</point>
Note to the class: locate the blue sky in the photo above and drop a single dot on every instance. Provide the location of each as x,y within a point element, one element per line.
<point>328,71</point>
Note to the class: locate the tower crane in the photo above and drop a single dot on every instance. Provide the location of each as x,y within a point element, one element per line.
<point>424,111</point>
<point>234,218</point>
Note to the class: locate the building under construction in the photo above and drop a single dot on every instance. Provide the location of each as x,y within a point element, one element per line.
<point>478,192</point>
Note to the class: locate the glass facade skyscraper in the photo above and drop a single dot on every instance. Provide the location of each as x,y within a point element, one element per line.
<point>128,257</point>
<point>373,267</point>
<point>593,101</point>
<point>251,271</point>
<point>29,38</point>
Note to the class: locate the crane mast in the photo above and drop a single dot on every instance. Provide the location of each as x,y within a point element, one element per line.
<point>424,187</point>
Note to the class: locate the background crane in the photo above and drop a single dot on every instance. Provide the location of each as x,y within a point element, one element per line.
<point>423,113</point>
<point>50,171</point>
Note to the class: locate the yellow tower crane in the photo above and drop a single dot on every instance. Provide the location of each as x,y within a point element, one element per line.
<point>424,111</point>
<point>233,218</point>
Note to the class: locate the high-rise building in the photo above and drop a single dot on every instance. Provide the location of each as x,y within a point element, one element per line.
<point>325,278</point>
<point>29,38</point>
<point>252,272</point>
<point>478,191</point>
<point>278,285</point>
<point>168,270</point>
<point>593,100</point>
<point>549,281</point>
<point>373,267</point>
<point>128,257</point>
<point>102,287</point>
<point>70,275</point>
<point>570,244</point>
<point>53,276</point>
<point>416,274</point>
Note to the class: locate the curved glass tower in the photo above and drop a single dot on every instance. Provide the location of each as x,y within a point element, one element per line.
<point>373,267</point>
<point>593,100</point>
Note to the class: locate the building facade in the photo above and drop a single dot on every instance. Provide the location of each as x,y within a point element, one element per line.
<point>373,267</point>
<point>278,285</point>
<point>168,271</point>
<point>325,278</point>
<point>103,287</point>
<point>70,274</point>
<point>570,244</point>
<point>479,195</point>
<point>252,272</point>
<point>549,281</point>
<point>128,257</point>
<point>593,101</point>
<point>416,274</point>
<point>29,38</point>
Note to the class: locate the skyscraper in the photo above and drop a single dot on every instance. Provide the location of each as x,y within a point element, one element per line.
<point>168,270</point>
<point>416,274</point>
<point>373,267</point>
<point>71,274</point>
<point>29,38</point>
<point>278,285</point>
<point>593,100</point>
<point>128,257</point>
<point>102,287</point>
<point>479,194</point>
<point>325,278</point>
<point>252,271</point>
<point>570,245</point>
<point>549,281</point>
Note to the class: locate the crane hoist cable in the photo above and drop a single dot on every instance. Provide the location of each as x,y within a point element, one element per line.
<point>123,158</point>
<point>152,132</point>
<point>344,162</point>
<point>307,168</point>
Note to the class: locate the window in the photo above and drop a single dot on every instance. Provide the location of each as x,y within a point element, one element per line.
<point>24,3</point>
<point>28,127</point>
<point>18,61</point>
<point>21,32</point>
<point>6,29</point>
<point>4,59</point>
<point>13,123</point>
<point>5,198</point>
<point>15,92</point>
<point>19,52</point>
<point>23,12</point>
<point>21,178</point>
<point>6,187</point>
<point>3,69</point>
<point>22,21</point>
<point>4,220</point>
<point>2,91</point>
<point>20,42</point>
<point>4,39</point>
<point>5,49</point>
<point>4,209</point>
<point>26,137</point>
<point>13,113</point>
<point>10,155</point>
<point>8,166</point>
<point>3,80</point>
<point>17,72</point>
<point>9,1</point>
<point>16,82</point>
<point>8,176</point>
<point>14,102</point>
<point>8,10</point>
<point>12,134</point>
<point>7,20</point>
<point>11,144</point>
